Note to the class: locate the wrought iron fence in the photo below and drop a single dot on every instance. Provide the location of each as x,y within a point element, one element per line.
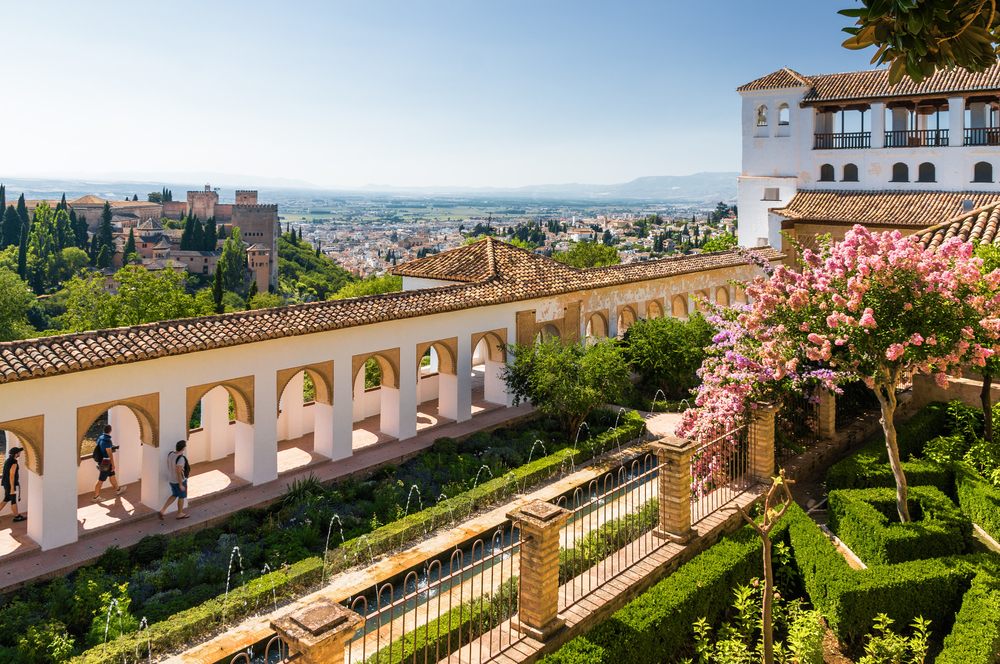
<point>796,426</point>
<point>721,471</point>
<point>856,400</point>
<point>610,528</point>
<point>275,652</point>
<point>449,609</point>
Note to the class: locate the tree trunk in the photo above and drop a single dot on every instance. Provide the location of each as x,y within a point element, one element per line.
<point>985,396</point>
<point>767,637</point>
<point>887,398</point>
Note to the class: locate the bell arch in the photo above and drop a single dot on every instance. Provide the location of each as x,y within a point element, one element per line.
<point>146,409</point>
<point>322,378</point>
<point>388,364</point>
<point>701,298</point>
<point>30,431</point>
<point>240,389</point>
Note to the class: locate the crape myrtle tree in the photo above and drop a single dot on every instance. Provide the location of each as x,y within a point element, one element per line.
<point>875,306</point>
<point>566,381</point>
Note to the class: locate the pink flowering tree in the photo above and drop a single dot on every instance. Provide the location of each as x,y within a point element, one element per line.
<point>875,306</point>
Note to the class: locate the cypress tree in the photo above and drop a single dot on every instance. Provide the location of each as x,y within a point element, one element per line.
<point>10,230</point>
<point>65,237</point>
<point>104,258</point>
<point>22,252</point>
<point>211,234</point>
<point>22,211</point>
<point>253,291</point>
<point>3,208</point>
<point>106,235</point>
<point>79,226</point>
<point>95,248</point>
<point>135,197</point>
<point>217,289</point>
<point>61,205</point>
<point>187,233</point>
<point>198,236</point>
<point>129,246</point>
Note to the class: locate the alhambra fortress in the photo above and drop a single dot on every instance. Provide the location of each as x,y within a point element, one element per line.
<point>820,154</point>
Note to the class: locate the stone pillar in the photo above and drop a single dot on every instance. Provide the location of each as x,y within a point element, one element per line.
<point>463,379</point>
<point>539,569</point>
<point>292,408</point>
<point>674,490</point>
<point>956,121</point>
<point>318,633</point>
<point>264,431</point>
<point>407,394</point>
<point>215,423</point>
<point>878,125</point>
<point>827,414</point>
<point>762,439</point>
<point>343,408</point>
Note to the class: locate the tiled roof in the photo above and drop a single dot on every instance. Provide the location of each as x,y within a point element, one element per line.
<point>512,275</point>
<point>89,199</point>
<point>783,78</point>
<point>979,224</point>
<point>874,84</point>
<point>470,262</point>
<point>889,208</point>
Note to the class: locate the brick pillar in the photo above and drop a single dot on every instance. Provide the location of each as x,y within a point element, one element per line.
<point>674,476</point>
<point>318,632</point>
<point>827,414</point>
<point>762,438</point>
<point>539,569</point>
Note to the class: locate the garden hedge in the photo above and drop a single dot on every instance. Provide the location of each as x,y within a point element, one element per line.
<point>866,520</point>
<point>850,599</point>
<point>978,498</point>
<point>661,620</point>
<point>975,639</point>
<point>188,625</point>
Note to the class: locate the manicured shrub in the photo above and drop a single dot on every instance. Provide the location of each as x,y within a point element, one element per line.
<point>599,543</point>
<point>149,549</point>
<point>979,499</point>
<point>975,638</point>
<point>867,522</point>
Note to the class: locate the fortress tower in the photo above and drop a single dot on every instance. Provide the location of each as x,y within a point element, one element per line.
<point>202,203</point>
<point>258,225</point>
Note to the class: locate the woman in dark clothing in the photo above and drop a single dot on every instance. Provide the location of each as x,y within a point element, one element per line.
<point>11,482</point>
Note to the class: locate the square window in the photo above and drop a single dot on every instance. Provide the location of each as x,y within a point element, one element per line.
<point>771,194</point>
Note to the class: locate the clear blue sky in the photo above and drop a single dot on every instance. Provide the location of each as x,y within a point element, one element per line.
<point>405,93</point>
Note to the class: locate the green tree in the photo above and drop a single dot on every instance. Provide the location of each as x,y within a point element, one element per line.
<point>10,230</point>
<point>142,297</point>
<point>371,286</point>
<point>105,234</point>
<point>14,303</point>
<point>130,252</point>
<point>65,237</point>
<point>198,236</point>
<point>104,258</point>
<point>667,352</point>
<point>566,382</point>
<point>299,268</point>
<point>253,291</point>
<point>990,256</point>
<point>720,243</point>
<point>588,254</point>
<point>217,288</point>
<point>919,38</point>
<point>95,248</point>
<point>211,235</point>
<point>233,262</point>
<point>62,205</point>
<point>264,301</point>
<point>42,249</point>
<point>187,236</point>
<point>79,226</point>
<point>154,197</point>
<point>70,261</point>
<point>22,211</point>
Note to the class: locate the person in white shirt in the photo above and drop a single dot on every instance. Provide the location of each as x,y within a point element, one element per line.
<point>176,463</point>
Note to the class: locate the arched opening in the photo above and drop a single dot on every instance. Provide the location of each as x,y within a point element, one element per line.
<point>376,398</point>
<point>900,172</point>
<point>547,332</point>
<point>654,310</point>
<point>304,415</point>
<point>925,172</point>
<point>26,434</point>
<point>982,172</point>
<point>762,116</point>
<point>700,298</point>
<point>437,383</point>
<point>740,296</point>
<point>220,443</point>
<point>597,327</point>
<point>626,318</point>
<point>679,307</point>
<point>722,296</point>
<point>826,173</point>
<point>489,356</point>
<point>783,114</point>
<point>850,173</point>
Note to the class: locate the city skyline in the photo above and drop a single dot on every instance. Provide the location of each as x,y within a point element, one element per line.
<point>448,94</point>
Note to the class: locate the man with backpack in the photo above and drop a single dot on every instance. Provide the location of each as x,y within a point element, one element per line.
<point>177,471</point>
<point>104,456</point>
<point>11,483</point>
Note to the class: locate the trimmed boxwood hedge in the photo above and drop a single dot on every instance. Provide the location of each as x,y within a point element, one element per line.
<point>196,621</point>
<point>979,499</point>
<point>660,620</point>
<point>867,522</point>
<point>975,638</point>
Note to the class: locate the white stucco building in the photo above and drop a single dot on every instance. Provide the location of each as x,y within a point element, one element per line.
<point>855,136</point>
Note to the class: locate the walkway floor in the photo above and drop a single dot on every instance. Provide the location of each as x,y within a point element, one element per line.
<point>122,521</point>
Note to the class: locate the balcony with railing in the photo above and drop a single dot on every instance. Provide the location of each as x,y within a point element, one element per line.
<point>917,138</point>
<point>982,136</point>
<point>851,140</point>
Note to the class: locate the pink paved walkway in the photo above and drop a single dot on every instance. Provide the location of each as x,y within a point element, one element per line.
<point>216,492</point>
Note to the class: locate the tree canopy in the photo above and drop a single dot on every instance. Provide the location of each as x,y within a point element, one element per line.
<point>301,269</point>
<point>14,302</point>
<point>373,285</point>
<point>720,242</point>
<point>588,254</point>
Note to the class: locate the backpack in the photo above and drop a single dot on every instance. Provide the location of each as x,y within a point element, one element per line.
<point>187,466</point>
<point>98,454</point>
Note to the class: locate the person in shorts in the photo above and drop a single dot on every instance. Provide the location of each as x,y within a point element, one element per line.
<point>11,482</point>
<point>106,467</point>
<point>174,472</point>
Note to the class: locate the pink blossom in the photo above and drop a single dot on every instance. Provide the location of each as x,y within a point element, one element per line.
<point>867,319</point>
<point>916,339</point>
<point>895,351</point>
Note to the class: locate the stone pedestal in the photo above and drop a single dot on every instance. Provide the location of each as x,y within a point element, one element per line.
<point>318,632</point>
<point>539,569</point>
<point>674,477</point>
<point>762,438</point>
<point>827,414</point>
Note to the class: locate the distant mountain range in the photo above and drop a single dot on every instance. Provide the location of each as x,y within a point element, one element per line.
<point>697,188</point>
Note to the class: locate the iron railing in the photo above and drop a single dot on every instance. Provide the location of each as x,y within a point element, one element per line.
<point>721,471</point>
<point>856,400</point>
<point>982,136</point>
<point>851,140</point>
<point>917,138</point>
<point>796,426</point>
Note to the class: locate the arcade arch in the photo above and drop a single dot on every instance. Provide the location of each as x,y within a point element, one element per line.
<point>597,326</point>
<point>654,309</point>
<point>722,296</point>
<point>679,306</point>
<point>489,356</point>
<point>626,318</point>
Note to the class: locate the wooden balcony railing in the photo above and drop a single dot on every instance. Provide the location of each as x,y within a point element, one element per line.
<point>983,136</point>
<point>852,140</point>
<point>917,138</point>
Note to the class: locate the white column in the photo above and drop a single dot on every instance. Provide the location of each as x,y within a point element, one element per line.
<point>215,423</point>
<point>173,427</point>
<point>448,396</point>
<point>323,429</point>
<point>263,459</point>
<point>407,391</point>
<point>342,440</point>
<point>244,444</point>
<point>956,121</point>
<point>496,388</point>
<point>126,434</point>
<point>900,117</point>
<point>463,379</point>
<point>978,118</point>
<point>358,396</point>
<point>389,414</point>
<point>291,407</point>
<point>52,521</point>
<point>878,125</point>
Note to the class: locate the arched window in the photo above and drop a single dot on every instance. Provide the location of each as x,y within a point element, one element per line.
<point>762,116</point>
<point>826,173</point>
<point>783,114</point>
<point>925,172</point>
<point>982,172</point>
<point>900,172</point>
<point>850,173</point>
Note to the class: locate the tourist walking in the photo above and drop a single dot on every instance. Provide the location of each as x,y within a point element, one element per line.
<point>11,483</point>
<point>176,472</point>
<point>105,458</point>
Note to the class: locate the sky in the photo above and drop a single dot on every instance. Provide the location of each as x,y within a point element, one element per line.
<point>407,93</point>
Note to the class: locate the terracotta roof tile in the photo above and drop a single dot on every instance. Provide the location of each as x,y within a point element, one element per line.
<point>511,274</point>
<point>890,208</point>
<point>980,224</point>
<point>783,78</point>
